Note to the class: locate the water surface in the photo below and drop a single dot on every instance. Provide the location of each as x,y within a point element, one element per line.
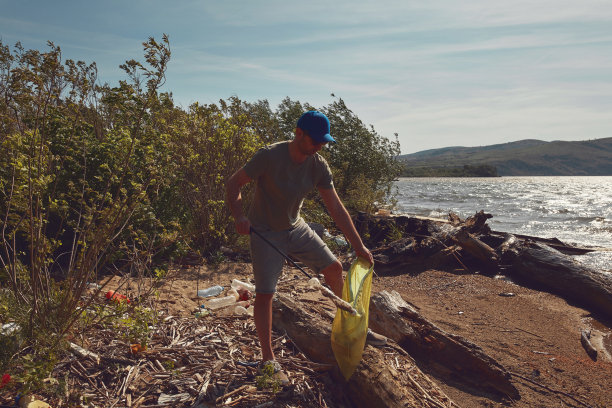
<point>577,210</point>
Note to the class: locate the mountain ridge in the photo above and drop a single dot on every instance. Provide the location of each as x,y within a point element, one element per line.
<point>527,157</point>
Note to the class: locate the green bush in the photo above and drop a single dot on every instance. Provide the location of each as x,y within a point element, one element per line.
<point>213,143</point>
<point>99,178</point>
<point>79,175</point>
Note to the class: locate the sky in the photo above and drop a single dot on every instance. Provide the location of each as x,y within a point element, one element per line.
<point>436,73</point>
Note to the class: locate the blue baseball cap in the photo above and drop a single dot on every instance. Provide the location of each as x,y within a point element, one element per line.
<point>316,125</point>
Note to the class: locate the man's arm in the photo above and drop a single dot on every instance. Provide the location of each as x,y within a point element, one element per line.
<point>233,198</point>
<point>343,221</point>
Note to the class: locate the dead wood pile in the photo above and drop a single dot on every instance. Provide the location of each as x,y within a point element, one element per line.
<point>411,244</point>
<point>190,362</point>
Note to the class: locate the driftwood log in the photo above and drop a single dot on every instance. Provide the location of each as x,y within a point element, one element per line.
<point>380,380</point>
<point>449,356</point>
<point>426,242</point>
<point>546,268</point>
<point>408,255</point>
<point>472,246</point>
<point>477,248</point>
<point>551,242</point>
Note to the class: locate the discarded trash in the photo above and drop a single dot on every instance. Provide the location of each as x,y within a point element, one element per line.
<point>247,363</point>
<point>30,402</point>
<point>218,303</point>
<point>137,348</point>
<point>234,309</point>
<point>117,297</point>
<point>244,294</point>
<point>507,294</point>
<point>93,285</point>
<point>314,283</point>
<point>241,311</point>
<point>233,292</point>
<point>167,400</point>
<point>212,291</point>
<point>236,284</point>
<point>340,241</point>
<point>5,379</point>
<point>202,311</point>
<point>9,328</point>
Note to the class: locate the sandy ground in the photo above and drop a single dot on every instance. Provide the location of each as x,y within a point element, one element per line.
<point>534,335</point>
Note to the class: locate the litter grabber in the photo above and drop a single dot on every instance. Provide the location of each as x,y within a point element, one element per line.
<point>314,282</point>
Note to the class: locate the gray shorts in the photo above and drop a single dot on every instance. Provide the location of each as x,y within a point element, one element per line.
<point>301,243</point>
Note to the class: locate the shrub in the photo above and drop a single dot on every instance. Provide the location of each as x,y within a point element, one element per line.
<point>80,171</point>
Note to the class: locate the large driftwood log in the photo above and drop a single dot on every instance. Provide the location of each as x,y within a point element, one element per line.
<point>447,355</point>
<point>380,380</point>
<point>438,249</point>
<point>476,248</point>
<point>378,230</point>
<point>551,242</point>
<point>407,255</point>
<point>546,268</point>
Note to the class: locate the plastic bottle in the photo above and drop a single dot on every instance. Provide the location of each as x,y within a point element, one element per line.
<point>234,293</point>
<point>241,311</point>
<point>230,310</point>
<point>340,241</point>
<point>250,310</point>
<point>237,284</point>
<point>218,303</point>
<point>243,308</point>
<point>314,283</point>
<point>202,313</point>
<point>212,291</point>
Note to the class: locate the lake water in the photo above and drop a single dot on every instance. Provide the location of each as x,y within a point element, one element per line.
<point>576,210</point>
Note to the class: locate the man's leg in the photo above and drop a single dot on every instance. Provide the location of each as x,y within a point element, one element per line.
<point>267,266</point>
<point>333,277</point>
<point>263,324</point>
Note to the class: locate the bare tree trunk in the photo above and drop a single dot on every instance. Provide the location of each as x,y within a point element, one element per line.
<point>381,379</point>
<point>546,268</point>
<point>449,356</point>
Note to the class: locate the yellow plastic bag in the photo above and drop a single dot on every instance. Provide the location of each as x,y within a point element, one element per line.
<point>349,332</point>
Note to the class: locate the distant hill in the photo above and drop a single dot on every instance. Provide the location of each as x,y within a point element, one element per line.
<point>523,158</point>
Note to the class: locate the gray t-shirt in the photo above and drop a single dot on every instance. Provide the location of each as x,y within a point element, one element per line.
<point>282,185</point>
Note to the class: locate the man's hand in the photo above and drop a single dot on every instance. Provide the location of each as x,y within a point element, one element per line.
<point>243,225</point>
<point>365,254</point>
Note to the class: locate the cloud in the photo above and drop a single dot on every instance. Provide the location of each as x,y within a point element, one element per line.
<point>420,15</point>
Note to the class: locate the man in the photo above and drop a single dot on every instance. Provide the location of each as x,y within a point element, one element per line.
<point>284,173</point>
